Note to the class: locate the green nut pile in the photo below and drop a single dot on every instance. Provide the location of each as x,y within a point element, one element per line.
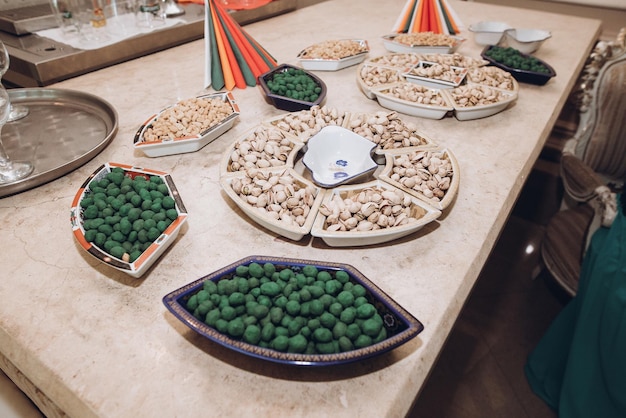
<point>513,58</point>
<point>123,214</point>
<point>296,84</point>
<point>307,310</point>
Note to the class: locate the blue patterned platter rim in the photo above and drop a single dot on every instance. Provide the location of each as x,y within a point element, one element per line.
<point>401,325</point>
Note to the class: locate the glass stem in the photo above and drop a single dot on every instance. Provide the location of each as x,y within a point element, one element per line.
<point>5,161</point>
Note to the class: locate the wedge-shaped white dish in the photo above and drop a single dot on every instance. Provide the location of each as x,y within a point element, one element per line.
<point>265,217</point>
<point>477,111</point>
<point>370,76</point>
<point>410,170</point>
<point>189,143</point>
<point>336,156</point>
<point>269,145</point>
<point>420,214</point>
<point>386,98</point>
<point>418,74</point>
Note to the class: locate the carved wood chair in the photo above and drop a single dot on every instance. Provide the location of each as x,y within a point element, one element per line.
<point>593,163</point>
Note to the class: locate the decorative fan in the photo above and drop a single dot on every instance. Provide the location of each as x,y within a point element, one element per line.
<point>233,57</point>
<point>428,16</point>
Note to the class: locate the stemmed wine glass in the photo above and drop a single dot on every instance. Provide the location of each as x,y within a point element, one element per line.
<point>17,112</point>
<point>10,171</point>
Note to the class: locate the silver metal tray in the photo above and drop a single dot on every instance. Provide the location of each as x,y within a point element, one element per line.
<point>64,130</point>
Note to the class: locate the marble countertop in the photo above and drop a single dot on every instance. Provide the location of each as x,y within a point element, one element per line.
<point>91,341</point>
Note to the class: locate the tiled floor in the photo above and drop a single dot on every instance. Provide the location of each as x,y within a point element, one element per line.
<point>480,371</point>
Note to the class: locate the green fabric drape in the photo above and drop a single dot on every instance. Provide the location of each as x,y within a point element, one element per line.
<point>579,365</point>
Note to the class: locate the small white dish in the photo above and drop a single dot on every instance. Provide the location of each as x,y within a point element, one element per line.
<point>387,100</point>
<point>392,45</point>
<point>488,32</point>
<point>312,62</point>
<point>290,230</point>
<point>526,41</point>
<point>418,74</point>
<point>189,143</point>
<point>420,212</point>
<point>336,156</point>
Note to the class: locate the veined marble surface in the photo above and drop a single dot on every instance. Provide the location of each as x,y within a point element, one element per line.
<point>96,342</point>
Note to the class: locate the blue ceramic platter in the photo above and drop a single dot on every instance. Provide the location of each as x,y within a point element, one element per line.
<point>400,325</point>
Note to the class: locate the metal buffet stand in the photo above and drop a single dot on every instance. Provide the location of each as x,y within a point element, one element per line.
<point>38,61</point>
<point>66,129</point>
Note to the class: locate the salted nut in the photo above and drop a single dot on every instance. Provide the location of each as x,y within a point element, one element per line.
<point>476,95</point>
<point>427,172</point>
<point>438,71</point>
<point>416,93</point>
<point>279,196</point>
<point>188,117</point>
<point>491,76</point>
<point>264,147</point>
<point>483,85</point>
<point>334,49</point>
<point>369,209</point>
<point>373,75</point>
<point>425,38</point>
<point>387,130</point>
<point>306,123</point>
<point>419,170</point>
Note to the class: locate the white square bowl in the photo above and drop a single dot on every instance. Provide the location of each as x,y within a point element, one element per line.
<point>337,155</point>
<point>420,213</point>
<point>189,143</point>
<point>156,247</point>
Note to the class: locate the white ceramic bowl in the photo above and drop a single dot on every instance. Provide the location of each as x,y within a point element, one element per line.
<point>526,41</point>
<point>187,143</point>
<point>155,247</point>
<point>420,212</point>
<point>336,156</point>
<point>488,32</point>
<point>311,60</point>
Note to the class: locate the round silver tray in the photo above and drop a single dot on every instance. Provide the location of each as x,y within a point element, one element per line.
<point>64,130</point>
